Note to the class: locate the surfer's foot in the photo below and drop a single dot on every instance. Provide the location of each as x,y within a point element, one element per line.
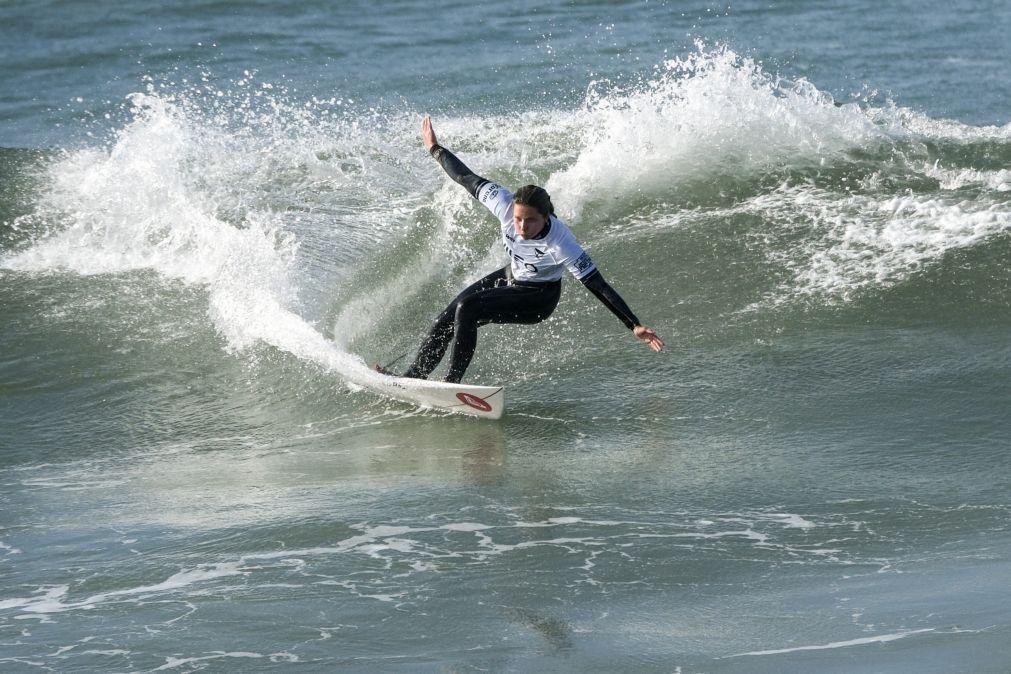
<point>390,373</point>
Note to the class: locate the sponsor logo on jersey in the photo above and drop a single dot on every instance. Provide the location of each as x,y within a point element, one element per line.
<point>583,263</point>
<point>490,191</point>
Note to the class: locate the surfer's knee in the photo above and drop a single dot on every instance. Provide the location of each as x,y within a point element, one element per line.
<point>467,310</point>
<point>463,311</point>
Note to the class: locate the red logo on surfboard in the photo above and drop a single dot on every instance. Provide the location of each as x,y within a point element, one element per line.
<point>473,401</point>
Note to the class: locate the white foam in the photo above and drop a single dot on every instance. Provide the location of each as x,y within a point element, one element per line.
<point>559,542</point>
<point>49,599</point>
<point>9,550</point>
<point>906,121</point>
<point>383,531</point>
<point>749,534</point>
<point>891,238</point>
<point>860,241</point>
<point>792,521</point>
<point>24,661</point>
<point>466,526</point>
<point>174,662</point>
<point>956,179</point>
<point>883,638</point>
<point>176,581</point>
<point>52,599</point>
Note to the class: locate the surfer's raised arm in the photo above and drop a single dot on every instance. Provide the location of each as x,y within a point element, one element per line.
<point>456,169</point>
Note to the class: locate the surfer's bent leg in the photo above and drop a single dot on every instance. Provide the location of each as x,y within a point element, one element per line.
<point>441,332</point>
<point>530,303</point>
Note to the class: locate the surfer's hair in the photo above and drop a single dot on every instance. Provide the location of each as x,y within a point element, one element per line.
<point>535,197</point>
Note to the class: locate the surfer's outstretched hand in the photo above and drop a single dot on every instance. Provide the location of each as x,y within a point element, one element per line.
<point>648,337</point>
<point>428,133</point>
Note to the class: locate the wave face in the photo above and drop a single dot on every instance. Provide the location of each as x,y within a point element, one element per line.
<point>313,226</point>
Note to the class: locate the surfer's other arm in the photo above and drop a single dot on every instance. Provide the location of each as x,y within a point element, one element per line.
<point>603,291</point>
<point>456,169</point>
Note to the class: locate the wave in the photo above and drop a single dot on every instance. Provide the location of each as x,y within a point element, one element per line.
<point>843,198</point>
<point>276,206</point>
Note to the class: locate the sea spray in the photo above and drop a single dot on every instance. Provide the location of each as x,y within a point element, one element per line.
<point>145,204</point>
<point>710,116</point>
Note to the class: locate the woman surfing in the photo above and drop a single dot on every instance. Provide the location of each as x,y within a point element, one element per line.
<point>540,246</point>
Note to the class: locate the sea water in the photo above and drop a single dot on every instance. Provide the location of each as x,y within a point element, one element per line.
<point>212,213</point>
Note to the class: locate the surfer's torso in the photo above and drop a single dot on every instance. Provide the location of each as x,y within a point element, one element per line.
<point>542,258</point>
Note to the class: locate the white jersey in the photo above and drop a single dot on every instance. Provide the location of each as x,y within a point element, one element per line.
<point>542,258</point>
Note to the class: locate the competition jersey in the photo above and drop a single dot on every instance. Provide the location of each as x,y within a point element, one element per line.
<point>542,258</point>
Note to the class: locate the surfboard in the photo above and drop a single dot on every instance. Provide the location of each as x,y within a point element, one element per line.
<point>479,401</point>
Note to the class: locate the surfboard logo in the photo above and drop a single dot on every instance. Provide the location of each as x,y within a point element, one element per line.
<point>473,401</point>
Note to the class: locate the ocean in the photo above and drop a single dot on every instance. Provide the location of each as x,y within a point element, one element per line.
<point>213,213</point>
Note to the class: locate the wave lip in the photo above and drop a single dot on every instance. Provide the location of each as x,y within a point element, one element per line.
<point>712,114</point>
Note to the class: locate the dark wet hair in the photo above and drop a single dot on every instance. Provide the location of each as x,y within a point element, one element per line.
<point>535,197</point>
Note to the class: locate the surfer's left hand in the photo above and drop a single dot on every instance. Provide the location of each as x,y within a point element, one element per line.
<point>648,337</point>
<point>428,133</point>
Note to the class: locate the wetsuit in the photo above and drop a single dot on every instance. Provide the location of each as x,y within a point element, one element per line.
<point>525,291</point>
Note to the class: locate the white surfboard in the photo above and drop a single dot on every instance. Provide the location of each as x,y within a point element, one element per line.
<point>478,401</point>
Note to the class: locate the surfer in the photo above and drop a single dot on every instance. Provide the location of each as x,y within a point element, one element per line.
<point>540,246</point>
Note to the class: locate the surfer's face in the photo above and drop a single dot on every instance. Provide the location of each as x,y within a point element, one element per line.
<point>528,221</point>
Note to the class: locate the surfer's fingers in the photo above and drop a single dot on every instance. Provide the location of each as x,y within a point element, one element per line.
<point>648,337</point>
<point>427,132</point>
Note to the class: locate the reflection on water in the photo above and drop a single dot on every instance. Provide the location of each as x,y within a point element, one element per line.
<point>231,480</point>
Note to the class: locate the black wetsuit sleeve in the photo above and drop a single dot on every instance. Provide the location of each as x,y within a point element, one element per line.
<point>457,170</point>
<point>596,284</point>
